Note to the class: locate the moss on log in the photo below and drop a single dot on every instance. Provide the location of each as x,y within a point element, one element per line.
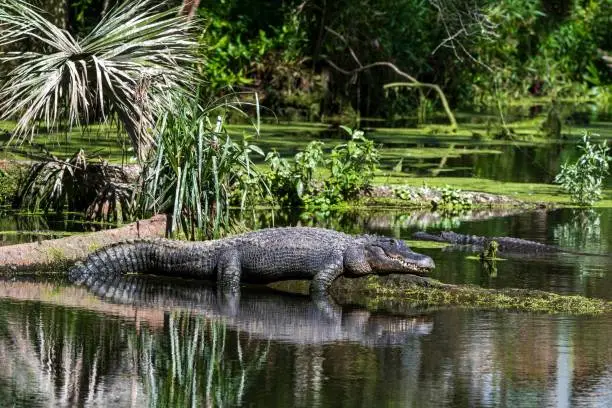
<point>399,292</point>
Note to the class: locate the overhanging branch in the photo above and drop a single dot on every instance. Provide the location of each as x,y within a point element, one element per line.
<point>413,82</point>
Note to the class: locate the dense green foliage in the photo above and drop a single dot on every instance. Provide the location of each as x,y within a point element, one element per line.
<point>302,59</point>
<point>584,179</point>
<point>316,181</point>
<point>546,48</point>
<point>481,53</point>
<point>9,184</point>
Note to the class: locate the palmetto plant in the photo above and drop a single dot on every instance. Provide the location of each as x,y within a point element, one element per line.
<point>101,191</point>
<point>122,69</point>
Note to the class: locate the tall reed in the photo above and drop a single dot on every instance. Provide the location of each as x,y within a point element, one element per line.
<point>198,172</point>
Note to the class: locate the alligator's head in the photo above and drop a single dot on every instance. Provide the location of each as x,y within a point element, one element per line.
<point>389,255</point>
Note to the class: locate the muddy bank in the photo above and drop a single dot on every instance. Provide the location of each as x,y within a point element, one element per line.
<point>394,293</point>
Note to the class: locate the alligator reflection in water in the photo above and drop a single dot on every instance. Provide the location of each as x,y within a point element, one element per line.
<point>63,357</point>
<point>265,313</point>
<point>176,345</point>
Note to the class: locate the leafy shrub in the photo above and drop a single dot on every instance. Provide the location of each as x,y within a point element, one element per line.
<point>9,184</point>
<point>583,180</point>
<point>452,199</point>
<point>403,193</point>
<point>293,183</point>
<point>352,165</point>
<point>242,49</point>
<point>314,181</point>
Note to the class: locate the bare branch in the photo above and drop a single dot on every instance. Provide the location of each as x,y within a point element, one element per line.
<point>341,37</point>
<point>413,82</point>
<point>436,88</point>
<point>464,24</point>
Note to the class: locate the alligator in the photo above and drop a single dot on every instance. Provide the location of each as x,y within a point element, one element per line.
<point>259,257</point>
<point>263,312</point>
<point>505,245</point>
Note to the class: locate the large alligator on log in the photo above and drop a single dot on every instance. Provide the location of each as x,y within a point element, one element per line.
<point>262,256</point>
<point>505,245</point>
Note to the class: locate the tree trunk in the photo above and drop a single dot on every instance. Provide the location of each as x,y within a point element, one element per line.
<point>189,8</point>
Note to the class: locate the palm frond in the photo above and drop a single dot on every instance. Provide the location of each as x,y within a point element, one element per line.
<point>125,66</point>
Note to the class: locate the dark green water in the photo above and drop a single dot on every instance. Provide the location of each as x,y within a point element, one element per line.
<point>180,345</point>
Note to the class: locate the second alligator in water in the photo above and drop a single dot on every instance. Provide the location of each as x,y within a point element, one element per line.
<point>506,245</point>
<point>262,256</point>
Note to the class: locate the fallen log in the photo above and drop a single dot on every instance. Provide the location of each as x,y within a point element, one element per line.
<point>70,249</point>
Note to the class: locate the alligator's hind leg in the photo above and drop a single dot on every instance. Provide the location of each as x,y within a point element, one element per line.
<point>229,271</point>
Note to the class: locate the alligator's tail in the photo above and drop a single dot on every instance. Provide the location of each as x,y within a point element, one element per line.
<point>155,256</point>
<point>114,260</point>
<point>145,290</point>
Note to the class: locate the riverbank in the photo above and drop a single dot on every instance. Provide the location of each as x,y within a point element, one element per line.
<point>386,293</point>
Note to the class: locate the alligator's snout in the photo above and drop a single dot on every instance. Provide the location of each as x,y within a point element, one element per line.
<point>423,262</point>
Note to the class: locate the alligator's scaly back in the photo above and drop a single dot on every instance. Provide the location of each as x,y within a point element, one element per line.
<point>257,257</point>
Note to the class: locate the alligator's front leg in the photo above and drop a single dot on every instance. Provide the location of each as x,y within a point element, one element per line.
<point>328,272</point>
<point>229,271</point>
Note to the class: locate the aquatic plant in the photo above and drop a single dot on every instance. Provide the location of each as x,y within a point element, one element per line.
<point>583,180</point>
<point>451,199</point>
<point>120,70</point>
<point>198,171</point>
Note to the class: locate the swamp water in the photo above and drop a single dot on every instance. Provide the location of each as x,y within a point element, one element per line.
<point>179,345</point>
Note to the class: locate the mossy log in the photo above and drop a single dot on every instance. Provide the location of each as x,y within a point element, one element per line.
<point>395,293</point>
<point>65,250</point>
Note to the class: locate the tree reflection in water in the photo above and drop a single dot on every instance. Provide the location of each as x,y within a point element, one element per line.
<point>64,357</point>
